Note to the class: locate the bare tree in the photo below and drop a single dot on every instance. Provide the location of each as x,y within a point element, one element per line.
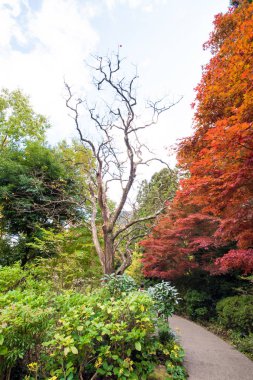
<point>116,155</point>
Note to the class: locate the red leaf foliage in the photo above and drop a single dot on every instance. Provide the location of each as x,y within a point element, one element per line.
<point>240,259</point>
<point>214,207</point>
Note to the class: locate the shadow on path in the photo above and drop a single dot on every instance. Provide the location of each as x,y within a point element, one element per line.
<point>207,356</point>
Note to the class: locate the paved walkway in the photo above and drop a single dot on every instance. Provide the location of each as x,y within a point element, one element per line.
<point>209,357</point>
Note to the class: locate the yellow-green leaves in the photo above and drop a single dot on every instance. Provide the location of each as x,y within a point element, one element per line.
<point>74,350</point>
<point>71,332</point>
<point>18,122</point>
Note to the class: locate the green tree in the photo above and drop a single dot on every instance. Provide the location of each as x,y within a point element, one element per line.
<point>67,258</point>
<point>18,122</point>
<point>37,189</point>
<point>152,198</point>
<point>40,186</point>
<point>152,195</point>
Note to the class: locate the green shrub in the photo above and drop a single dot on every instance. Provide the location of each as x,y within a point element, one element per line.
<point>67,271</point>
<point>165,298</point>
<point>211,288</point>
<point>196,304</point>
<point>176,372</point>
<point>112,337</point>
<point>165,334</point>
<point>65,335</point>
<point>25,319</point>
<point>244,344</point>
<point>118,284</point>
<point>135,269</point>
<point>10,277</point>
<point>236,313</point>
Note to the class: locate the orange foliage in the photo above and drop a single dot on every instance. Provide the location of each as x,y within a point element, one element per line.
<point>219,158</point>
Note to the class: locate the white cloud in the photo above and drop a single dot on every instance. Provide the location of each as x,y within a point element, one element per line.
<point>110,4</point>
<point>144,5</point>
<point>148,8</point>
<point>8,26</point>
<point>40,48</point>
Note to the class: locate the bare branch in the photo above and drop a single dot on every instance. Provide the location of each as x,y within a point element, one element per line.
<point>76,117</point>
<point>135,221</point>
<point>155,159</point>
<point>115,165</point>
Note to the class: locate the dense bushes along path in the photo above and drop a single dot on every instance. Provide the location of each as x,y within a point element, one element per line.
<point>209,357</point>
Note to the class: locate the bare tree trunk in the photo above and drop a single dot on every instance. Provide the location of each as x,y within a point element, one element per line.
<point>108,253</point>
<point>8,374</point>
<point>95,238</point>
<point>114,162</point>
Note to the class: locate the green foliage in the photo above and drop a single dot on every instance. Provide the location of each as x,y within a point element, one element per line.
<point>164,332</point>
<point>111,338</point>
<point>173,369</point>
<point>38,189</point>
<point>40,186</point>
<point>199,290</point>
<point>18,122</point>
<point>153,194</point>
<point>135,269</point>
<point>23,324</point>
<point>203,298</point>
<point>243,343</point>
<point>67,259</point>
<point>10,277</point>
<point>118,284</point>
<point>25,316</point>
<point>66,333</point>
<point>236,313</point>
<point>176,372</point>
<point>196,304</point>
<point>165,298</point>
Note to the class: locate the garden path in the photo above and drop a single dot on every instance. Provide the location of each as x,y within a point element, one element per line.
<point>207,356</point>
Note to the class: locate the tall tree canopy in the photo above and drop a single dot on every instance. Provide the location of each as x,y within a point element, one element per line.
<point>210,223</point>
<point>40,186</point>
<point>18,122</point>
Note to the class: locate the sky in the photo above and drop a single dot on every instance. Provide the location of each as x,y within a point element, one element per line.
<point>43,42</point>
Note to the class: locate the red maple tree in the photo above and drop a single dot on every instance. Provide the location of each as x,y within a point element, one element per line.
<point>214,206</point>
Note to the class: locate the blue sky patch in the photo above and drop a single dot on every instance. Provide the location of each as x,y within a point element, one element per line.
<point>23,48</point>
<point>35,5</point>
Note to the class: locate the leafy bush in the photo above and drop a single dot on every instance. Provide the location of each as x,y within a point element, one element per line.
<point>67,335</point>
<point>164,332</point>
<point>112,338</point>
<point>10,277</point>
<point>118,284</point>
<point>67,259</point>
<point>210,290</point>
<point>67,271</point>
<point>236,313</point>
<point>174,365</point>
<point>197,304</point>
<point>135,269</point>
<point>26,316</point>
<point>165,298</point>
<point>176,372</point>
<point>243,343</point>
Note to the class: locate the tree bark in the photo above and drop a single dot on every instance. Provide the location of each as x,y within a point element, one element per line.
<point>108,253</point>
